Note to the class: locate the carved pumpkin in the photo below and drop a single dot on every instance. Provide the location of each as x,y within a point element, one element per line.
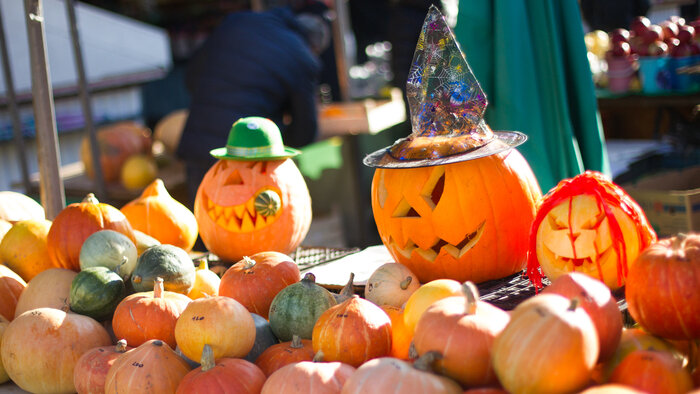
<point>11,286</point>
<point>246,207</point>
<point>662,289</point>
<point>91,369</point>
<point>232,375</point>
<point>450,221</point>
<point>587,224</point>
<point>281,354</point>
<point>116,143</point>
<point>652,372</point>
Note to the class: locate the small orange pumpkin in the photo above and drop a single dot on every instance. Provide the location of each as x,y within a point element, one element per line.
<point>652,372</point>
<point>281,354</point>
<point>11,286</point>
<point>633,339</point>
<point>91,369</point>
<point>157,214</point>
<point>255,280</point>
<point>49,289</point>
<point>225,375</point>
<point>206,282</point>
<point>352,332</point>
<point>401,336</point>
<point>75,223</point>
<point>24,248</point>
<point>391,284</point>
<point>422,298</point>
<point>3,326</point>
<point>309,377</point>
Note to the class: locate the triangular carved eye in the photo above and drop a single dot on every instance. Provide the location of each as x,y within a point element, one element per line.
<point>555,223</point>
<point>434,187</point>
<point>595,222</point>
<point>234,179</point>
<point>404,210</point>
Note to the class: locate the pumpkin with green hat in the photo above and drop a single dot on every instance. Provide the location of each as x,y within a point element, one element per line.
<point>254,198</point>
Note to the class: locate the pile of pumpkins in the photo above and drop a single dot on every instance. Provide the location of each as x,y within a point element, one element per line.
<point>109,300</point>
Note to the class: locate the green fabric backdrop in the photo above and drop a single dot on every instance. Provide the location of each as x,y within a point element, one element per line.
<point>530,57</point>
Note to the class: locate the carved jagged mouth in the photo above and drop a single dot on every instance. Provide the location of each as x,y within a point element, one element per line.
<point>584,262</point>
<point>431,253</point>
<point>239,218</point>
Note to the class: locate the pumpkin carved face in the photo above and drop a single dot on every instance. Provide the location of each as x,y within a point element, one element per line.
<point>246,207</point>
<point>462,221</point>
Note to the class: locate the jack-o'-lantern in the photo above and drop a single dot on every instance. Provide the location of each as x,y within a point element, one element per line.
<point>452,200</point>
<point>254,199</point>
<point>590,225</point>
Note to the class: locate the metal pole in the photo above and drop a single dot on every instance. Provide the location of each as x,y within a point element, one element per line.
<point>50,183</point>
<point>14,111</point>
<point>85,101</point>
<point>340,25</point>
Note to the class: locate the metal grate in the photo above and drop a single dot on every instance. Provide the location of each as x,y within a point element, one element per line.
<point>307,257</point>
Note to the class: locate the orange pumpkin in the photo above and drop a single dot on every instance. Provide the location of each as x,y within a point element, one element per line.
<point>590,225</point>
<point>449,221</point>
<point>152,367</point>
<point>352,332</point>
<point>17,206</point>
<point>422,298</point>
<point>391,284</point>
<point>40,348</point>
<point>597,300</point>
<point>226,376</point>
<point>116,143</point>
<point>206,282</point>
<point>633,339</point>
<point>157,214</point>
<point>546,333</point>
<point>247,207</point>
<point>401,337</point>
<point>149,315</point>
<point>220,322</point>
<point>462,329</point>
<point>91,369</point>
<point>652,372</point>
<point>75,223</point>
<point>255,280</point>
<point>308,377</point>
<point>49,289</point>
<point>281,354</point>
<point>24,248</point>
<point>3,326</point>
<point>662,290</point>
<point>11,286</point>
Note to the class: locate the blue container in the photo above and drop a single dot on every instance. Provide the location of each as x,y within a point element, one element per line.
<point>655,74</point>
<point>684,82</point>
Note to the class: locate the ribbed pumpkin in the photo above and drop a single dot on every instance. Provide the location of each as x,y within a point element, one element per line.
<point>596,299</point>
<point>49,289</point>
<point>168,262</point>
<point>24,248</point>
<point>462,329</point>
<point>255,280</point>
<point>652,372</point>
<point>662,289</point>
<point>308,377</point>
<point>296,308</point>
<point>353,332</point>
<point>281,354</point>
<point>17,206</point>
<point>547,332</point>
<point>91,369</point>
<point>111,249</point>
<point>220,322</point>
<point>225,375</point>
<point>401,337</point>
<point>422,298</point>
<point>153,367</point>
<point>391,284</point>
<point>234,215</point>
<point>11,286</point>
<point>388,375</point>
<point>149,315</point>
<point>75,223</point>
<point>3,326</point>
<point>633,339</point>
<point>40,348</point>
<point>449,221</point>
<point>96,292</point>
<point>116,143</point>
<point>162,217</point>
<point>206,282</point>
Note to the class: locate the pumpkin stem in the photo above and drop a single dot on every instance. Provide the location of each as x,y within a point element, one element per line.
<point>158,288</point>
<point>318,357</point>
<point>157,342</point>
<point>309,277</point>
<point>296,342</point>
<point>347,291</point>
<point>677,245</point>
<point>471,293</point>
<point>203,264</point>
<point>412,352</point>
<point>248,263</point>
<point>573,305</point>
<point>121,346</point>
<point>207,359</point>
<point>425,362</point>
<point>90,199</point>
<point>406,282</point>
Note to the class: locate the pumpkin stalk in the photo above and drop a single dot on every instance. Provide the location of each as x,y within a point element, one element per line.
<point>207,359</point>
<point>471,293</point>
<point>677,246</point>
<point>309,277</point>
<point>573,305</point>
<point>121,346</point>
<point>248,263</point>
<point>203,264</point>
<point>90,198</point>
<point>406,282</point>
<point>158,288</point>
<point>425,362</point>
<point>318,357</point>
<point>296,342</point>
<point>347,291</point>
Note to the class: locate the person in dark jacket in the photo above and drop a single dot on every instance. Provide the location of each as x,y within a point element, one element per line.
<point>254,64</point>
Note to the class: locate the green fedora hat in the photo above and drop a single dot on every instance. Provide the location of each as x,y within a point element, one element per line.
<point>254,138</point>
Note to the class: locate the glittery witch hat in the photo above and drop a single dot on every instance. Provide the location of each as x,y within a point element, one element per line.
<point>447,107</point>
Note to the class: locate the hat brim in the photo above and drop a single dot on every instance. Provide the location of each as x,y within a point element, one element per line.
<point>222,153</point>
<point>504,140</point>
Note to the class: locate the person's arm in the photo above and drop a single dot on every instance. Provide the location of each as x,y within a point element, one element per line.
<point>303,128</point>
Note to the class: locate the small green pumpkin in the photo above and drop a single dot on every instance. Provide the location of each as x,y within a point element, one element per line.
<point>295,309</point>
<point>111,249</point>
<point>264,338</point>
<point>169,262</point>
<point>267,203</point>
<point>96,292</point>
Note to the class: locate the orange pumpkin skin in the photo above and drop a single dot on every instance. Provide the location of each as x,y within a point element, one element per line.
<point>11,286</point>
<point>285,353</point>
<point>652,372</point>
<point>149,315</point>
<point>49,289</point>
<point>352,332</point>
<point>116,143</point>
<point>3,326</point>
<point>633,339</point>
<point>160,216</point>
<point>422,298</point>
<point>225,376</point>
<point>662,289</point>
<point>24,248</point>
<point>75,223</point>
<point>308,377</point>
<point>41,347</point>
<point>229,224</point>
<point>152,367</point>
<point>401,336</point>
<point>255,280</point>
<point>597,300</point>
<point>91,369</point>
<point>450,221</point>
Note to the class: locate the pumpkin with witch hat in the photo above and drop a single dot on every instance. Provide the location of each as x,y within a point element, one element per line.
<point>254,199</point>
<point>454,199</point>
